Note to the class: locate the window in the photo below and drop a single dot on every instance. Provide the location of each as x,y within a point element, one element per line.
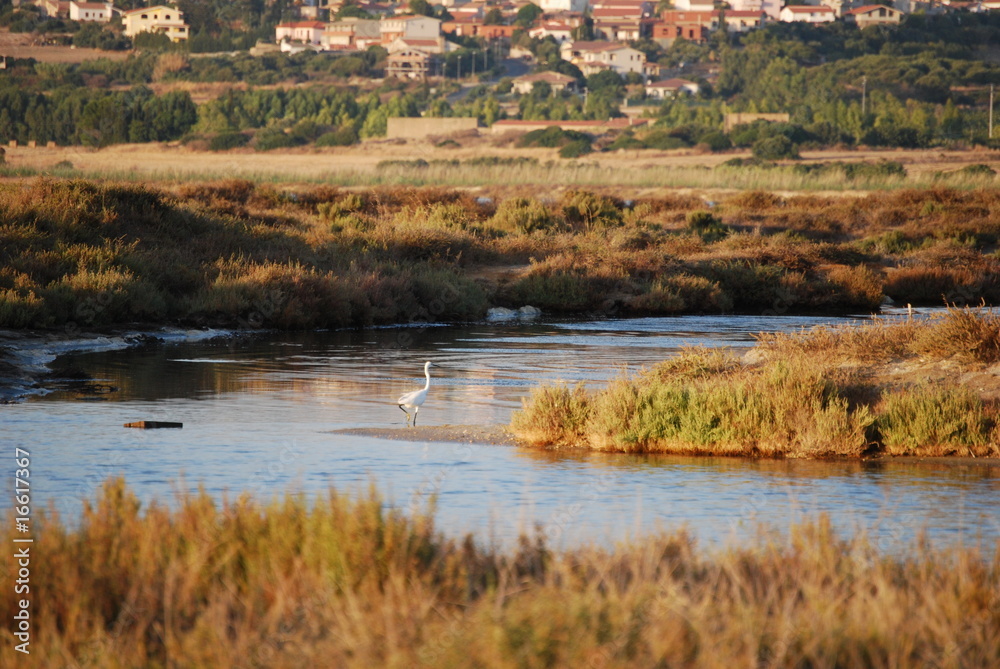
<point>143,16</point>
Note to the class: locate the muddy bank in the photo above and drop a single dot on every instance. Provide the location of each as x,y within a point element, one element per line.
<point>491,435</point>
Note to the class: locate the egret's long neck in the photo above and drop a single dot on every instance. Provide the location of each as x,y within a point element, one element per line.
<point>427,373</point>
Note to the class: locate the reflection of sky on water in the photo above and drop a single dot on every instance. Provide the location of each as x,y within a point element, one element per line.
<point>259,414</point>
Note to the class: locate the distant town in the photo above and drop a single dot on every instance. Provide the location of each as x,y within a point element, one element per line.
<point>666,75</point>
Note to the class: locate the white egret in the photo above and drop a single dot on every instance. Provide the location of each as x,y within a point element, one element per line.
<point>415,399</point>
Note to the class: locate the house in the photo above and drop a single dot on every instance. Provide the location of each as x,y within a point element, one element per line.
<point>160,19</point>
<point>873,15</point>
<point>560,32</point>
<point>807,13</point>
<point>665,33</point>
<point>743,21</point>
<point>709,20</point>
<point>563,5</point>
<point>410,63</point>
<point>54,9</point>
<point>409,28</point>
<point>694,6</point>
<point>470,11</point>
<point>306,32</point>
<point>434,46</point>
<point>558,82</point>
<point>669,88</point>
<point>351,33</point>
<point>572,19</point>
<point>622,22</point>
<point>467,28</point>
<point>770,7</point>
<point>593,57</point>
<point>97,12</point>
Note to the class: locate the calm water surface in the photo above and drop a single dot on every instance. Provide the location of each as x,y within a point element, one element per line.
<point>260,413</point>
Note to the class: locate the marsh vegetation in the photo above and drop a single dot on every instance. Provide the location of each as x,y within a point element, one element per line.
<point>347,582</point>
<point>235,253</point>
<point>915,387</point>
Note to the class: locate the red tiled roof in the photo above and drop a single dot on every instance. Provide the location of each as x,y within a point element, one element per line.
<point>319,25</point>
<point>870,8</point>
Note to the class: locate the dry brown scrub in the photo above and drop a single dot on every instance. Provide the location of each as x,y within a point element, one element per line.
<point>235,252</point>
<point>341,583</point>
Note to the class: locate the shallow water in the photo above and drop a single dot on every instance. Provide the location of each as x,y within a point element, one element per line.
<point>259,414</point>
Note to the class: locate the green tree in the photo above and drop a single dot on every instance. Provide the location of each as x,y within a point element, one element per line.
<point>494,17</point>
<point>421,8</point>
<point>527,15</point>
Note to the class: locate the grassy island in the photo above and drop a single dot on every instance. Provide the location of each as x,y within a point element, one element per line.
<point>914,387</point>
<point>348,583</point>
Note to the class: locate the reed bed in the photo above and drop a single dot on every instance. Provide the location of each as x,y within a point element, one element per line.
<point>831,392</point>
<point>461,174</point>
<point>90,254</point>
<point>346,582</point>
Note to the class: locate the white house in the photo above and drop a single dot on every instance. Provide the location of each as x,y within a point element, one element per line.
<point>694,6</point>
<point>669,88</point>
<point>558,31</point>
<point>770,7</point>
<point>160,19</point>
<point>741,22</point>
<point>409,28</point>
<point>549,6</point>
<point>807,13</point>
<point>871,15</point>
<point>351,33</point>
<point>97,12</point>
<point>555,80</point>
<point>307,32</point>
<point>592,57</point>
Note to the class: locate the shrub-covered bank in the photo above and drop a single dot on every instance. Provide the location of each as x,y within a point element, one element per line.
<point>344,583</point>
<point>908,388</point>
<point>232,253</point>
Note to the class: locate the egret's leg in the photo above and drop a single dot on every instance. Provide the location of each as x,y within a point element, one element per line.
<point>407,414</point>
<point>415,410</point>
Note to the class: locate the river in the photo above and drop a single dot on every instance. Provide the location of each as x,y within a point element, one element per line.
<point>261,414</point>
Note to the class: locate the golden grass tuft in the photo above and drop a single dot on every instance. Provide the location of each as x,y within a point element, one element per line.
<point>348,583</point>
<point>830,391</point>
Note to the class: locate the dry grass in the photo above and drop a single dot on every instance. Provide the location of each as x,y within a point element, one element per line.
<point>821,393</point>
<point>233,252</point>
<point>336,582</point>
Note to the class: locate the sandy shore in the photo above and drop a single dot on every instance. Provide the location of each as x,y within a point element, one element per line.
<point>491,435</point>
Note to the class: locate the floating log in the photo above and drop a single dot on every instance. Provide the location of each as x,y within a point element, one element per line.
<point>153,424</point>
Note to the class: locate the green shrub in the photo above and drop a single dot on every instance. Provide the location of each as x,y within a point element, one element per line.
<point>774,148</point>
<point>716,141</point>
<point>575,149</point>
<point>228,140</point>
<point>707,226</point>
<point>945,419</point>
<point>344,136</point>
<point>521,214</point>
<point>584,208</point>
